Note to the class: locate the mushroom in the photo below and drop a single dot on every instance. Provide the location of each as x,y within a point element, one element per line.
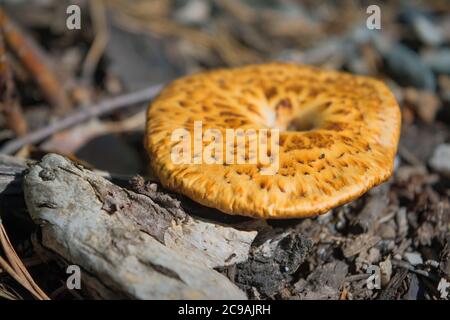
<point>338,136</point>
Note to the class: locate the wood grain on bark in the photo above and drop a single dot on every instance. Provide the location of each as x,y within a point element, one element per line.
<point>130,244</point>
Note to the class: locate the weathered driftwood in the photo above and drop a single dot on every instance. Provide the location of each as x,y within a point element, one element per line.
<point>130,244</point>
<point>174,221</point>
<point>10,168</point>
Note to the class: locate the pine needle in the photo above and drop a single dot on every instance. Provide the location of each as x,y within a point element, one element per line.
<point>15,267</point>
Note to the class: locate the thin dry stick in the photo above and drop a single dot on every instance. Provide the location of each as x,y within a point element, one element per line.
<point>8,294</point>
<point>15,268</point>
<point>4,264</point>
<point>9,105</point>
<point>17,264</point>
<point>99,20</point>
<point>83,114</point>
<point>31,57</point>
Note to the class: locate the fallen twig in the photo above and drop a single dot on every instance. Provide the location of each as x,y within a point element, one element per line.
<point>98,14</point>
<point>406,265</point>
<point>390,292</point>
<point>9,106</point>
<point>357,277</point>
<point>16,269</point>
<point>409,157</point>
<point>147,237</point>
<point>83,114</point>
<point>8,293</point>
<point>30,56</point>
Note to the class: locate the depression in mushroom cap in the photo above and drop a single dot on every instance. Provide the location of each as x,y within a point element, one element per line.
<point>332,136</point>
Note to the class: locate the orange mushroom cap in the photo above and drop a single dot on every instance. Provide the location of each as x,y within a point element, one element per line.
<point>338,137</point>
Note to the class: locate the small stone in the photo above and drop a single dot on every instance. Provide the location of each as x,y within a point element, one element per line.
<point>427,32</point>
<point>358,65</point>
<point>444,25</point>
<point>426,104</point>
<point>193,12</point>
<point>440,160</point>
<point>444,85</point>
<point>397,162</point>
<point>387,230</point>
<point>413,289</point>
<point>407,68</point>
<point>438,60</point>
<point>326,217</point>
<point>341,224</point>
<point>432,263</point>
<point>413,258</point>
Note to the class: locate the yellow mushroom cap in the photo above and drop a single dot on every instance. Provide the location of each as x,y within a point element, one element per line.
<point>338,137</point>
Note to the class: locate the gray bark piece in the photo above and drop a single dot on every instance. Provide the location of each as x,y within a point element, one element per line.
<point>440,161</point>
<point>213,245</point>
<point>375,207</point>
<point>359,244</point>
<point>10,168</point>
<point>108,231</point>
<point>324,282</point>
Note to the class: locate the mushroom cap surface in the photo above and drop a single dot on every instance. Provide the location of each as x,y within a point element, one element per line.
<point>338,137</point>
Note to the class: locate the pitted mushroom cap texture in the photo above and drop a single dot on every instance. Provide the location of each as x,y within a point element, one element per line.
<point>338,137</point>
